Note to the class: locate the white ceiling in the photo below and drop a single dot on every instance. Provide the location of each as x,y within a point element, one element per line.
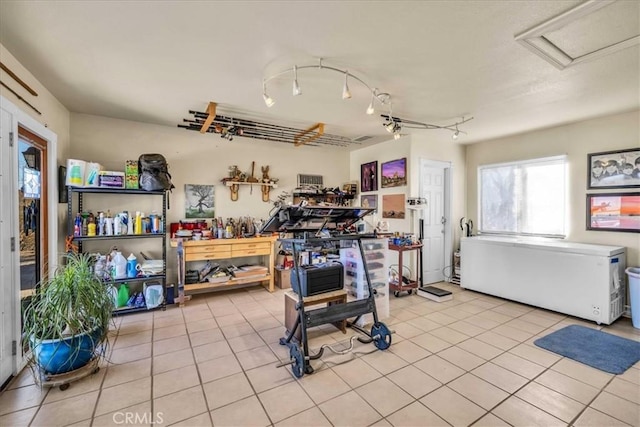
<point>153,61</point>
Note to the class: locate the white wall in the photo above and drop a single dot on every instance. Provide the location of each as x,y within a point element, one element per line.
<point>54,116</point>
<point>196,158</point>
<point>576,141</point>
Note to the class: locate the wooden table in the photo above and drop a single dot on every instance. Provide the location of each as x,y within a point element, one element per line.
<point>291,314</point>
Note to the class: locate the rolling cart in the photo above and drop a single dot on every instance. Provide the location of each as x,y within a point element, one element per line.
<point>316,228</point>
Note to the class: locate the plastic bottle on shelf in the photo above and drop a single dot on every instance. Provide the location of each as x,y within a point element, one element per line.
<point>101,231</point>
<point>119,263</point>
<point>138,226</point>
<point>77,226</point>
<point>129,223</point>
<point>91,226</point>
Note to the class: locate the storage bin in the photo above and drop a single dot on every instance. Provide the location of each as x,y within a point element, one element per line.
<point>634,294</point>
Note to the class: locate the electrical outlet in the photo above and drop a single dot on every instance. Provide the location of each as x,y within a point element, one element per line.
<point>596,310</point>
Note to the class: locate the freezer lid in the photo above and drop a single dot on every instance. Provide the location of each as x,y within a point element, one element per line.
<point>548,244</point>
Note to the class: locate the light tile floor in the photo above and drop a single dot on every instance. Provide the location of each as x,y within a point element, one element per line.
<point>469,361</point>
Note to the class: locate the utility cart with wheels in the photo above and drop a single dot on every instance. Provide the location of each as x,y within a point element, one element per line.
<point>405,283</point>
<point>322,228</point>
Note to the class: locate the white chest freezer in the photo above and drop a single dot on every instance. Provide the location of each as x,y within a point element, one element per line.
<point>582,280</point>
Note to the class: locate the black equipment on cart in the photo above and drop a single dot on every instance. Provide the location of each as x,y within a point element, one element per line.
<point>315,228</point>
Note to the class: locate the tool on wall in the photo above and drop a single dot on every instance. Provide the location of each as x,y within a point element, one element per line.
<point>252,178</point>
<point>19,97</point>
<point>466,225</point>
<point>17,79</point>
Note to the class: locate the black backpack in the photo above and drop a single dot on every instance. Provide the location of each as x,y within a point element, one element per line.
<point>154,173</point>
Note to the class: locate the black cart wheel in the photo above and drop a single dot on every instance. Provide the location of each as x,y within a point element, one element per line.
<point>63,387</point>
<point>297,357</point>
<point>396,294</point>
<point>95,371</point>
<point>381,336</point>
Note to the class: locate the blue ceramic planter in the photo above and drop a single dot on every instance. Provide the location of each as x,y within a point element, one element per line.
<point>60,356</point>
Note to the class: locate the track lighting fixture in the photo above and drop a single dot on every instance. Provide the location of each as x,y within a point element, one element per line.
<point>296,86</point>
<point>346,93</point>
<point>453,127</point>
<point>267,99</point>
<point>381,97</point>
<point>396,135</point>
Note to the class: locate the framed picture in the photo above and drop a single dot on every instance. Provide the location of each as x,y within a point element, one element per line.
<point>394,173</point>
<point>613,212</point>
<point>199,201</point>
<point>63,191</point>
<point>369,177</point>
<point>393,206</point>
<point>614,169</point>
<point>369,201</point>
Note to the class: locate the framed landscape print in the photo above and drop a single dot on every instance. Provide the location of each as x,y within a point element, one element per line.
<point>613,212</point>
<point>369,177</point>
<point>614,169</point>
<point>394,173</point>
<point>393,206</point>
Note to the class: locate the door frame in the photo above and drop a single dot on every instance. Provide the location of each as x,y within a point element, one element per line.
<point>22,119</point>
<point>447,167</point>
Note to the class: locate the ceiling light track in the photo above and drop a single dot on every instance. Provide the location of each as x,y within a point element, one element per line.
<point>382,98</point>
<point>395,124</point>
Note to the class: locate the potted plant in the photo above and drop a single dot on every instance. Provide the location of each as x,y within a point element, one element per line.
<point>67,323</point>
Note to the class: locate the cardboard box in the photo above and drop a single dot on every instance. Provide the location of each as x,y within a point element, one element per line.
<point>110,179</point>
<point>131,175</point>
<point>283,278</point>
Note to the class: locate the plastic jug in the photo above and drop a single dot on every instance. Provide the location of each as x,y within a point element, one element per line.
<point>119,264</point>
<point>123,295</point>
<point>132,266</point>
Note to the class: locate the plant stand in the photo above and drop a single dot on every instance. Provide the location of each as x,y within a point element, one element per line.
<point>63,380</point>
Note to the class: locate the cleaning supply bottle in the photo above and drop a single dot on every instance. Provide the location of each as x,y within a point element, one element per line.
<point>119,266</point>
<point>138,226</point>
<point>129,223</point>
<point>77,226</point>
<point>91,226</point>
<point>132,266</point>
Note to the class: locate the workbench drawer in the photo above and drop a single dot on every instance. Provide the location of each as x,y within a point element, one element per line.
<point>250,249</point>
<point>200,256</point>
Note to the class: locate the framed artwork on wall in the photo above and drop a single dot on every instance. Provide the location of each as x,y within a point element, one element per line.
<point>393,206</point>
<point>394,173</point>
<point>613,212</point>
<point>199,201</point>
<point>369,177</point>
<point>369,201</point>
<point>614,169</point>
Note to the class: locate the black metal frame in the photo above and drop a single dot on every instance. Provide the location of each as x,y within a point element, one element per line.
<point>331,313</point>
<point>80,191</point>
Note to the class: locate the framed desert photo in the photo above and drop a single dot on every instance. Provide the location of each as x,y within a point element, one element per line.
<point>394,173</point>
<point>369,177</point>
<point>614,169</point>
<point>393,206</point>
<point>613,212</point>
<point>369,201</point>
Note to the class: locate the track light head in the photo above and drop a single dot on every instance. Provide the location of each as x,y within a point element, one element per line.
<point>396,135</point>
<point>455,135</point>
<point>296,86</point>
<point>390,126</point>
<point>268,101</point>
<point>346,93</point>
<point>370,109</point>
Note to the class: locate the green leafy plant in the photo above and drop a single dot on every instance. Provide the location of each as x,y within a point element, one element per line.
<point>71,302</point>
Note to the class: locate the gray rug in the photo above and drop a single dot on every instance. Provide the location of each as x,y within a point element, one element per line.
<point>603,351</point>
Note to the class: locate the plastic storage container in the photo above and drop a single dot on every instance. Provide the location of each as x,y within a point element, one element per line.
<point>634,294</point>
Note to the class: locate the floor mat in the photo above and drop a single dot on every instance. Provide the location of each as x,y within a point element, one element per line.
<point>609,353</point>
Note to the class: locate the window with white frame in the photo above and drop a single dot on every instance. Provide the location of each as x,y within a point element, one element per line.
<point>525,198</point>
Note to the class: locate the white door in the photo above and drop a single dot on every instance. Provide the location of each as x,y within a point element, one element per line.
<point>432,188</point>
<point>8,300</point>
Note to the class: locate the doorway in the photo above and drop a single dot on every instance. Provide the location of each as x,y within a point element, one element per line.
<point>21,135</point>
<point>32,210</point>
<point>435,187</point>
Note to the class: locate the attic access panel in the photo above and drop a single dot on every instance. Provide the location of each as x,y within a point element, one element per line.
<point>313,218</point>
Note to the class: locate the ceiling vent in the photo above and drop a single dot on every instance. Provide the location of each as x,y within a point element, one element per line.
<point>310,180</point>
<point>362,138</point>
<point>589,31</point>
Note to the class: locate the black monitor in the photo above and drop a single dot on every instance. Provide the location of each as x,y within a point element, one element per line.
<point>293,219</point>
